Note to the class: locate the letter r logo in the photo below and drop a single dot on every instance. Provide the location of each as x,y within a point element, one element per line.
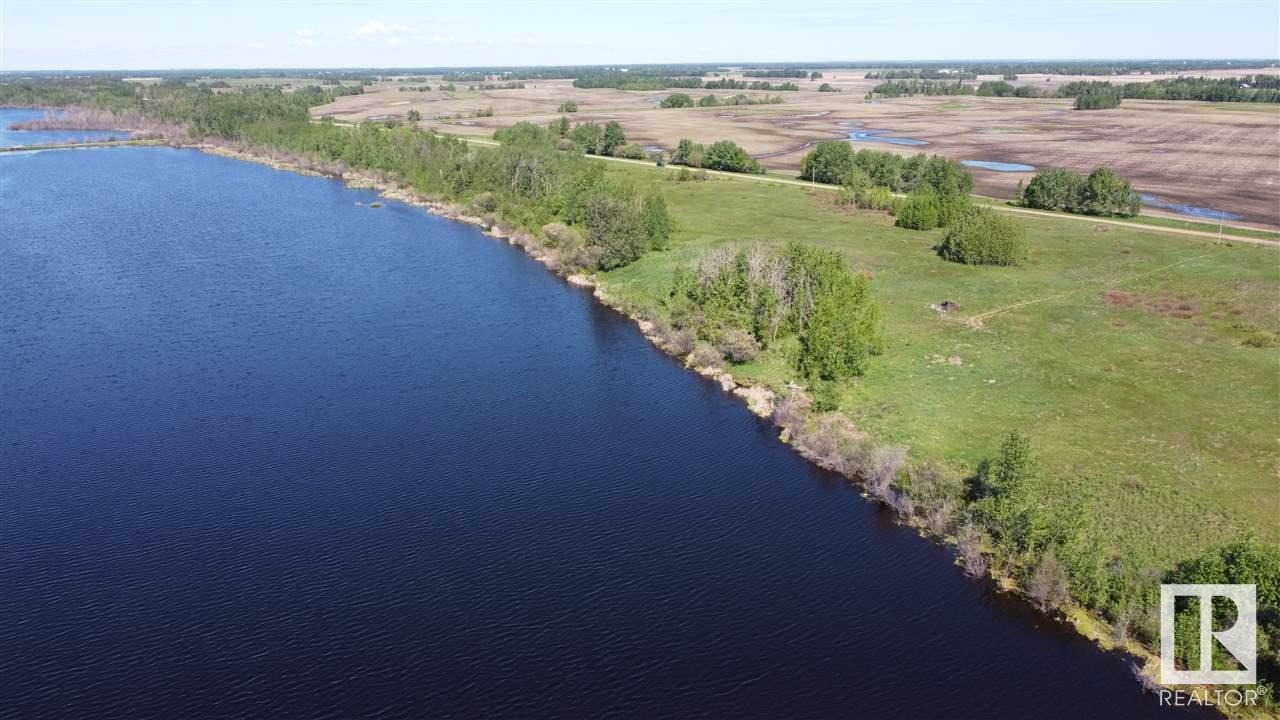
<point>1241,639</point>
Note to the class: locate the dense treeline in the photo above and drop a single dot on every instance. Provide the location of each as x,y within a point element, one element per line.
<point>724,155</point>
<point>800,297</point>
<point>936,74</point>
<point>783,73</point>
<point>739,99</point>
<point>1101,193</point>
<point>1250,88</point>
<point>632,81</point>
<point>938,188</point>
<point>906,88</point>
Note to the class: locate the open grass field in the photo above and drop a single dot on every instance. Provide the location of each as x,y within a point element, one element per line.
<point>1220,156</point>
<point>1120,351</point>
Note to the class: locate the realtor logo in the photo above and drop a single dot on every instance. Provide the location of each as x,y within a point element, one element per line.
<point>1241,639</point>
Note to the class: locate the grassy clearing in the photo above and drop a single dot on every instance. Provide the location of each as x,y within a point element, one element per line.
<point>1120,351</point>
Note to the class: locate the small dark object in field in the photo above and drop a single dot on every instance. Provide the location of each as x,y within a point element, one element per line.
<point>375,204</point>
<point>948,306</point>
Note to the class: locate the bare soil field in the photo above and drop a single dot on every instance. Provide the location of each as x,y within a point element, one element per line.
<point>1218,156</point>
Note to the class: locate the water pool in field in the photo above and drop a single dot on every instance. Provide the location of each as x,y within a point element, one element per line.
<point>878,136</point>
<point>998,166</point>
<point>1189,210</point>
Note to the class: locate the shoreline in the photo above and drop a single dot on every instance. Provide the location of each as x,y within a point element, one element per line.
<point>759,400</point>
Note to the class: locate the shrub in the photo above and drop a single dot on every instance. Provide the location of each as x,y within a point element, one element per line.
<point>708,101</point>
<point>681,342</point>
<point>565,144</point>
<point>969,542</point>
<point>920,211</point>
<point>568,107</point>
<point>631,151</point>
<point>561,236</point>
<point>485,202</point>
<point>875,198</point>
<point>676,100</point>
<point>704,355</point>
<point>739,346</point>
<point>826,396</point>
<point>1049,583</point>
<point>727,155</point>
<point>983,236</point>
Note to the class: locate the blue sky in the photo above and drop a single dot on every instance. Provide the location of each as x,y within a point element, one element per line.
<point>149,35</point>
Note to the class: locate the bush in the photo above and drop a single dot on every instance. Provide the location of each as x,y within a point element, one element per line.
<point>657,221</point>
<point>485,202</point>
<point>727,155</point>
<point>681,342</point>
<point>875,198</point>
<point>568,107</point>
<point>739,346</point>
<point>631,151</point>
<point>676,100</point>
<point>704,355</point>
<point>709,101</point>
<point>565,144</point>
<point>826,396</point>
<point>983,236</point>
<point>561,236</point>
<point>920,211</point>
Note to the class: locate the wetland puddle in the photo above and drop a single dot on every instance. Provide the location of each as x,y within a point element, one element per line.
<point>998,166</point>
<point>1190,210</point>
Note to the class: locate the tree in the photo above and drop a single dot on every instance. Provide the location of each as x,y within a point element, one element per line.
<point>561,126</point>
<point>839,323</point>
<point>689,153</point>
<point>657,222</point>
<point>1049,584</point>
<point>568,106</point>
<point>920,211</point>
<point>727,155</point>
<point>982,236</point>
<point>830,161</point>
<point>1106,193</point>
<point>414,116</point>
<point>613,138</point>
<point>1054,190</point>
<point>614,225</point>
<point>945,176</point>
<point>676,100</point>
<point>708,101</point>
<point>826,87</point>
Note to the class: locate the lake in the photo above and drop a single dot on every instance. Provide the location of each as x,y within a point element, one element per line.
<point>267,451</point>
<point>18,138</point>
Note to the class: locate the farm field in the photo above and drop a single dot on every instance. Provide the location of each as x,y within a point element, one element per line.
<point>1122,352</point>
<point>1216,156</point>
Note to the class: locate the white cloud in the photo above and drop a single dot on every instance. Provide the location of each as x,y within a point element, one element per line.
<point>304,42</point>
<point>304,32</point>
<point>377,27</point>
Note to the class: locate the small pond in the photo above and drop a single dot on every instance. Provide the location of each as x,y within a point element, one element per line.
<point>1191,210</point>
<point>998,166</point>
<point>877,136</point>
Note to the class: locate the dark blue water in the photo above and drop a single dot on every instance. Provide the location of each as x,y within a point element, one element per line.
<point>998,166</point>
<point>1190,210</point>
<point>18,138</point>
<point>267,453</point>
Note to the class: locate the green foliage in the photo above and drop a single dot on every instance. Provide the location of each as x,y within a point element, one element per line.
<point>596,139</point>
<point>982,236</point>
<point>1054,190</point>
<point>877,197</point>
<point>728,156</point>
<point>995,88</point>
<point>1092,95</point>
<point>922,210</point>
<point>414,116</point>
<point>567,106</point>
<point>657,221</point>
<point>826,87</point>
<point>1106,193</point>
<point>799,290</point>
<point>1102,193</point>
<point>830,161</point>
<point>708,101</point>
<point>676,100</point>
